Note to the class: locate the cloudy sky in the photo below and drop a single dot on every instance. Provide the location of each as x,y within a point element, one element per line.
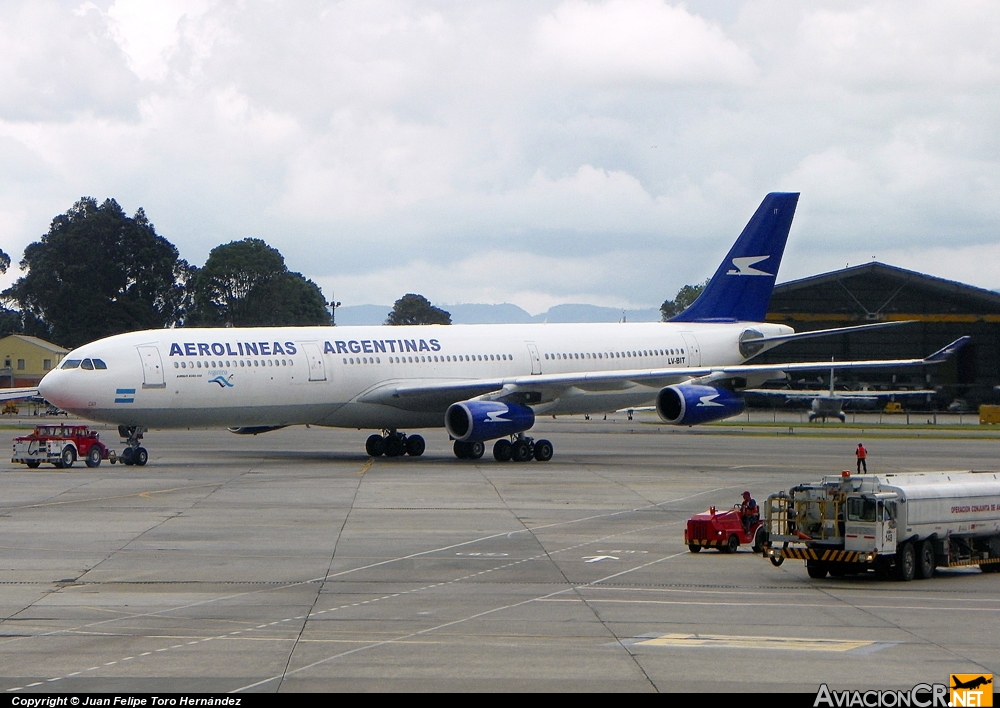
<point>534,152</point>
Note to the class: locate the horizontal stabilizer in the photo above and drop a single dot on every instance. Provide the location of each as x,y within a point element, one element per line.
<point>782,338</point>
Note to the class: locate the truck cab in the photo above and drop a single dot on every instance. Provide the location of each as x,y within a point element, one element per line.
<point>901,524</point>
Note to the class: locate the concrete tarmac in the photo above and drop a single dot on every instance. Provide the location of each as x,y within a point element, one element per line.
<point>292,562</point>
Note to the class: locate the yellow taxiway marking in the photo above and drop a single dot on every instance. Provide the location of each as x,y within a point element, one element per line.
<point>736,642</point>
<point>365,468</point>
<point>144,495</point>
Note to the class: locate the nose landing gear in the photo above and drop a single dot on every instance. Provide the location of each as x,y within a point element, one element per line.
<point>134,453</point>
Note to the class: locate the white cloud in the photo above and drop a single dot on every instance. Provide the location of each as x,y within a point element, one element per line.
<point>639,40</point>
<point>149,32</point>
<point>509,150</point>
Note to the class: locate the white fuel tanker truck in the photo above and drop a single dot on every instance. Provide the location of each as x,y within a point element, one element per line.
<point>904,525</point>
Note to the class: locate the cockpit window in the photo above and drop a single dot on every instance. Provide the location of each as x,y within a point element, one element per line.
<point>87,364</point>
<point>99,364</point>
<point>70,364</point>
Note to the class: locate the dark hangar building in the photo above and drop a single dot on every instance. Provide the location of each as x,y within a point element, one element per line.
<point>943,310</point>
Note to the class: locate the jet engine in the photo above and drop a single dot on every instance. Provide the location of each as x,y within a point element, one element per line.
<point>478,421</point>
<point>691,404</point>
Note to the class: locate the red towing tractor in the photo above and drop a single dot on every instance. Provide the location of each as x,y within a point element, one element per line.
<point>726,530</point>
<point>61,445</point>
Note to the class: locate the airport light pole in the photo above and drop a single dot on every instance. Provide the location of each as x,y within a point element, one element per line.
<point>333,311</point>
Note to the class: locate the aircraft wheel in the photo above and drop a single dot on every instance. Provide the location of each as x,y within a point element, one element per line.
<point>476,450</point>
<point>94,456</point>
<point>68,457</point>
<point>128,456</point>
<point>415,446</point>
<point>461,450</point>
<point>141,457</point>
<point>543,451</point>
<point>925,563</point>
<point>520,452</point>
<point>502,450</point>
<point>394,447</point>
<point>375,446</point>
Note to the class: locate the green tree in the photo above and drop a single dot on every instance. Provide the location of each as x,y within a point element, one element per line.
<point>98,272</point>
<point>414,309</point>
<point>246,283</point>
<point>683,300</point>
<point>10,320</point>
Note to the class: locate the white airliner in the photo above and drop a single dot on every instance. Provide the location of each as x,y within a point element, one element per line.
<point>479,382</point>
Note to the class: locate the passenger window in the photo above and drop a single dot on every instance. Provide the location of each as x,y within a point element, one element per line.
<point>87,364</point>
<point>70,364</point>
<point>98,364</point>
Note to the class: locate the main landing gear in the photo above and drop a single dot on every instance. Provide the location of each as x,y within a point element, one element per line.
<point>134,453</point>
<point>394,444</point>
<point>520,448</point>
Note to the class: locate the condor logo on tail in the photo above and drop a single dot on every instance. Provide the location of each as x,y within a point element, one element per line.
<point>744,266</point>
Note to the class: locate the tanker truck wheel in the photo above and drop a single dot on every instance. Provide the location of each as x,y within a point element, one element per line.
<point>906,562</point>
<point>816,570</point>
<point>925,565</point>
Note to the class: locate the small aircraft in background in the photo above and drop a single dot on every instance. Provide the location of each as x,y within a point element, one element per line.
<point>830,403</point>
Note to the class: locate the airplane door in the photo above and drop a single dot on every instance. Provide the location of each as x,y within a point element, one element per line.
<point>317,370</point>
<point>693,351</point>
<point>536,361</point>
<point>152,367</point>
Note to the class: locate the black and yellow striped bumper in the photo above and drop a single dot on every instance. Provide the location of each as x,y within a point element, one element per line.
<point>829,555</point>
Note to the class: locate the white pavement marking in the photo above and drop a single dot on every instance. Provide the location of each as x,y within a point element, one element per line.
<point>507,534</point>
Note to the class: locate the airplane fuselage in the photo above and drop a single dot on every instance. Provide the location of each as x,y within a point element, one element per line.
<point>176,378</point>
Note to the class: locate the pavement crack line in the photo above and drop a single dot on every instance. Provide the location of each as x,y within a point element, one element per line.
<point>868,610</point>
<point>329,576</point>
<point>329,566</point>
<point>452,623</point>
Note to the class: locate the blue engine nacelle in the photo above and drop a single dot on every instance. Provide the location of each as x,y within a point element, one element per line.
<point>691,404</point>
<point>478,421</point>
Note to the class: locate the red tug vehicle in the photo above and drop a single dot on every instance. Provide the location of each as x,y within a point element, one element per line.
<point>61,445</point>
<point>725,530</point>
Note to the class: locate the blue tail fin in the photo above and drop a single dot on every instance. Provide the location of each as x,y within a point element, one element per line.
<point>741,288</point>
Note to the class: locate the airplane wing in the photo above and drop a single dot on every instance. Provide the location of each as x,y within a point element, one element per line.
<point>437,395</point>
<point>839,396</point>
<point>12,394</point>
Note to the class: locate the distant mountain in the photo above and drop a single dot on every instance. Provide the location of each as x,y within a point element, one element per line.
<point>487,314</point>
<point>594,313</point>
<point>505,313</point>
<point>363,314</point>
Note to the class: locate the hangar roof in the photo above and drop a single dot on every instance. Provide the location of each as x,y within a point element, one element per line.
<point>876,291</point>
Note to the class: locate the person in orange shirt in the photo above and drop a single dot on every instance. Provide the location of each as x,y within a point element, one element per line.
<point>861,454</point>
